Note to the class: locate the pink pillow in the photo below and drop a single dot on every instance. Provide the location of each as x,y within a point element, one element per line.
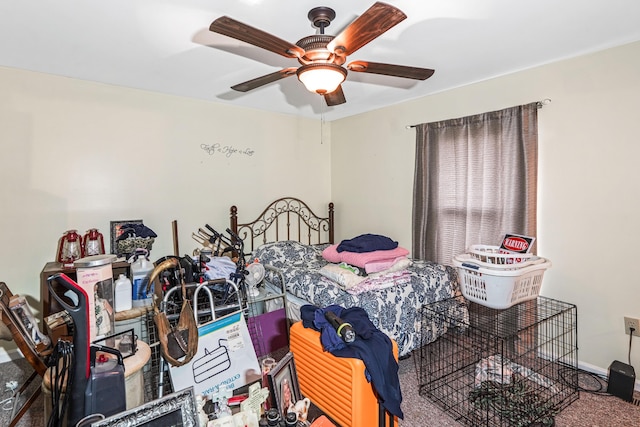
<point>360,259</point>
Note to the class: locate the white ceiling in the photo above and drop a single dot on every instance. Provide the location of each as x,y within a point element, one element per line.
<point>166,46</point>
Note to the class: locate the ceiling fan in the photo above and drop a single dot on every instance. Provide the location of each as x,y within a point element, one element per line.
<point>322,56</point>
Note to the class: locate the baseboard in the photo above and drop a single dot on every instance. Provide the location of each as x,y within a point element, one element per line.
<point>587,367</point>
<point>602,372</point>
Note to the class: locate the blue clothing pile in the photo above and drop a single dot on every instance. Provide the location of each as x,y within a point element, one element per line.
<point>367,243</point>
<point>372,346</point>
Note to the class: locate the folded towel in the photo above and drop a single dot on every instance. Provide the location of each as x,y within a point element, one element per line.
<point>361,259</point>
<point>381,266</point>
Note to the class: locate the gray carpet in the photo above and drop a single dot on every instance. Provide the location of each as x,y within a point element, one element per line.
<point>588,411</point>
<point>19,371</point>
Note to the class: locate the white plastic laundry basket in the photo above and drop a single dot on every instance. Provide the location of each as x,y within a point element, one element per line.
<point>522,263</point>
<point>495,255</point>
<point>497,287</point>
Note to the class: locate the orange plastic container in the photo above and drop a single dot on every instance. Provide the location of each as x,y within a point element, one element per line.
<point>336,385</point>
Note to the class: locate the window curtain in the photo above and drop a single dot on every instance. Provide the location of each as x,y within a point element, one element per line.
<point>475,181</point>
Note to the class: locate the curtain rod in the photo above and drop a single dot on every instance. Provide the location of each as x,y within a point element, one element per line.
<point>539,104</point>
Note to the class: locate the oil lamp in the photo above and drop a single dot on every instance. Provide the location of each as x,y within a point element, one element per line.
<point>69,248</point>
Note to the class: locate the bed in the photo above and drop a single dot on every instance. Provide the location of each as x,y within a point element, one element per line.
<point>289,239</point>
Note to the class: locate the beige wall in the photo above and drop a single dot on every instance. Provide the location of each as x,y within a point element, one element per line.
<point>589,194</point>
<point>78,155</point>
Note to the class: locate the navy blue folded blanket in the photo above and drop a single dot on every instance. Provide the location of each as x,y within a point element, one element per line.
<point>367,243</point>
<point>371,345</point>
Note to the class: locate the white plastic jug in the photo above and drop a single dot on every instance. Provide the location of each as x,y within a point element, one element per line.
<point>141,269</point>
<point>123,294</point>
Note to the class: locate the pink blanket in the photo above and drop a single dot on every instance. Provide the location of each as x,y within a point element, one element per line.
<point>360,259</point>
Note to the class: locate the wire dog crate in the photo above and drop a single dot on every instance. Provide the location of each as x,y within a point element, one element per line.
<point>512,367</point>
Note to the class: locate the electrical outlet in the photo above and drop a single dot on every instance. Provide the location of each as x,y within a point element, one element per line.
<point>632,322</point>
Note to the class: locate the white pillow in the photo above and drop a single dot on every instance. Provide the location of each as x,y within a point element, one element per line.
<point>343,276</point>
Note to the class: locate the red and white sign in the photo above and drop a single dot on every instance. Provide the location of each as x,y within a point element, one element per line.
<point>515,243</point>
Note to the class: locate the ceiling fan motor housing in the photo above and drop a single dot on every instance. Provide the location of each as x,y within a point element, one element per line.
<point>315,48</point>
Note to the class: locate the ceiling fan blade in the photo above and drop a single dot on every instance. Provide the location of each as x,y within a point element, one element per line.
<point>335,98</point>
<point>263,80</point>
<point>390,70</point>
<point>237,30</point>
<point>376,20</point>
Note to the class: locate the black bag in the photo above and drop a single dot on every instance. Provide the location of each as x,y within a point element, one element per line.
<point>178,343</point>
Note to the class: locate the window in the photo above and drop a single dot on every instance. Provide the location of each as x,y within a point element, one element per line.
<point>475,180</point>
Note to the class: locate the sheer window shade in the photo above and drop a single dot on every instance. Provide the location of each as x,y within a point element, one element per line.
<point>475,180</point>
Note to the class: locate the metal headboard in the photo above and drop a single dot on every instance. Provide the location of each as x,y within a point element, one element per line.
<point>287,218</point>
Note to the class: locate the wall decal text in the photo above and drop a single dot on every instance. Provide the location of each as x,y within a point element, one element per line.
<point>226,150</point>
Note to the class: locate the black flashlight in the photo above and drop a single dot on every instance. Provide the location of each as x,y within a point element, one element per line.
<point>344,329</point>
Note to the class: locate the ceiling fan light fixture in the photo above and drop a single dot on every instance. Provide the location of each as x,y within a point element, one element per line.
<point>321,78</point>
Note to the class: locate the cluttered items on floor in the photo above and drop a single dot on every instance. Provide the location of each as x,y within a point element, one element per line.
<point>235,379</point>
<point>203,317</point>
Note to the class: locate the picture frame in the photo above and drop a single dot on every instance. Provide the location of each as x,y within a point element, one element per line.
<point>177,408</point>
<point>116,231</point>
<point>281,377</point>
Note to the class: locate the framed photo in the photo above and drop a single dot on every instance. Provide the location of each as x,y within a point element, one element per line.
<point>283,384</point>
<point>175,409</point>
<point>116,231</point>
